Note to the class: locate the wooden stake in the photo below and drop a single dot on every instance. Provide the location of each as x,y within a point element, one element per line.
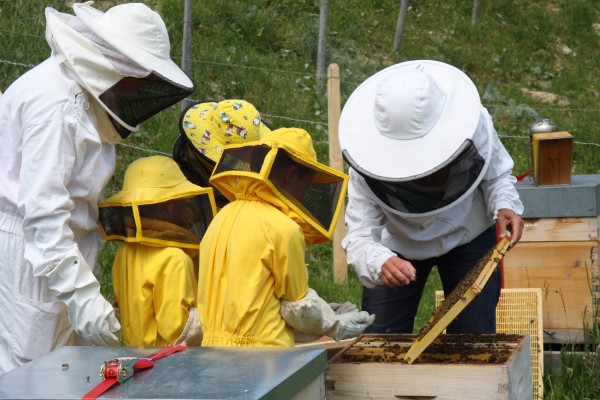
<point>340,265</point>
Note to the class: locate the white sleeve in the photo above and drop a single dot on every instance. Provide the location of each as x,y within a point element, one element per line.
<point>48,159</point>
<point>192,331</point>
<point>311,317</point>
<point>364,223</point>
<point>498,184</point>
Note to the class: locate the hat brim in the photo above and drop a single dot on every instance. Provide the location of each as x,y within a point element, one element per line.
<point>166,68</point>
<point>154,195</point>
<point>387,158</point>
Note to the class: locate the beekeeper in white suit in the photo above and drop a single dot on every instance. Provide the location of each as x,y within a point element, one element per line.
<point>107,73</point>
<point>429,182</point>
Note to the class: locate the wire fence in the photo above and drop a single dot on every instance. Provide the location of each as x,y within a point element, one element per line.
<point>42,50</point>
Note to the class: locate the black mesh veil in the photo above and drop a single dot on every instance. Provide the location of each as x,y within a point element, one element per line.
<point>134,100</point>
<point>196,167</point>
<point>433,190</point>
<point>178,222</point>
<point>316,192</point>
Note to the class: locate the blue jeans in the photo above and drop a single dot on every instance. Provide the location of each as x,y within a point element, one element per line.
<point>396,308</point>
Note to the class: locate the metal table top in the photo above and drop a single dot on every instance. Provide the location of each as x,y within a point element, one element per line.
<point>194,373</point>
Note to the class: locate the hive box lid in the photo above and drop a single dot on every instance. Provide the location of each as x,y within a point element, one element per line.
<point>195,373</point>
<point>579,199</point>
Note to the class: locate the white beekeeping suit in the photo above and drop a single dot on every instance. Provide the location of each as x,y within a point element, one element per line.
<point>108,72</point>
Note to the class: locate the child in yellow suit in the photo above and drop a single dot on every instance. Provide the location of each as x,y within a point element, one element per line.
<point>253,283</point>
<point>161,217</point>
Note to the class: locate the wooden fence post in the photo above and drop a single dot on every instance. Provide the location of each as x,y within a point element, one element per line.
<point>340,265</point>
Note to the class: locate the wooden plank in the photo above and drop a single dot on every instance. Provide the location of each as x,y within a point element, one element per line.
<point>560,229</point>
<point>326,343</point>
<point>563,270</point>
<point>429,381</point>
<point>332,346</point>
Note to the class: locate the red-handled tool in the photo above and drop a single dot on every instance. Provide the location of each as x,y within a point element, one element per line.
<point>120,369</point>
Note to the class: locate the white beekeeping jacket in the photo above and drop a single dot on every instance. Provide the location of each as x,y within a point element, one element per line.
<point>53,169</point>
<point>62,166</point>
<point>375,232</point>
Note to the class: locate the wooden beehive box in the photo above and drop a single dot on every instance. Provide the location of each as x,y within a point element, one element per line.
<point>558,253</point>
<point>453,367</point>
<point>552,158</point>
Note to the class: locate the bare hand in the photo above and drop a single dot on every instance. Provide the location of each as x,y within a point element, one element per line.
<point>509,220</point>
<point>397,272</point>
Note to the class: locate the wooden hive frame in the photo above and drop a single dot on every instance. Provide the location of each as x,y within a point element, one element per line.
<point>519,311</point>
<point>459,299</point>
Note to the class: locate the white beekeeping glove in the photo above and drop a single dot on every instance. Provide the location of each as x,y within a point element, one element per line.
<point>312,317</point>
<point>353,323</point>
<point>343,307</point>
<point>91,316</point>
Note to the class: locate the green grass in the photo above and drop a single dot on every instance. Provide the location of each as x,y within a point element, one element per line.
<point>265,52</point>
<point>579,376</point>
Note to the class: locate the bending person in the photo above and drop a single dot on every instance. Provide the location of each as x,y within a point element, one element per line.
<point>429,182</point>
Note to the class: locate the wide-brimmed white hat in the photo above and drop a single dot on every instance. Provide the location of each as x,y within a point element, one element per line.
<point>138,32</point>
<point>409,119</point>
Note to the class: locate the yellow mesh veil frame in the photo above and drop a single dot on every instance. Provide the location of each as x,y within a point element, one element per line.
<point>318,206</point>
<point>157,206</point>
<point>169,222</point>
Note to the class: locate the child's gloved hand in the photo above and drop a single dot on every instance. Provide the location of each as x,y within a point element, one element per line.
<point>353,323</point>
<point>343,307</point>
<point>312,315</point>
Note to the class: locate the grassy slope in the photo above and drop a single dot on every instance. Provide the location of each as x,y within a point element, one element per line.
<point>265,52</point>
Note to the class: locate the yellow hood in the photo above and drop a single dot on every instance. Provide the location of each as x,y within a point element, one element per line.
<point>248,182</point>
